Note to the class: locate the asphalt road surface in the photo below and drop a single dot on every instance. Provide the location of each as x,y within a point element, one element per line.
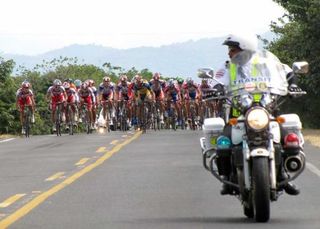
<point>132,180</point>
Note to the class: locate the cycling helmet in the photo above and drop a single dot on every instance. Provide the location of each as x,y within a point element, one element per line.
<point>156,76</point>
<point>69,80</point>
<point>25,84</point>
<point>171,82</point>
<point>66,85</point>
<point>245,42</point>
<point>189,80</point>
<point>57,82</point>
<point>78,83</point>
<point>180,81</point>
<point>138,78</point>
<point>123,78</point>
<point>106,79</point>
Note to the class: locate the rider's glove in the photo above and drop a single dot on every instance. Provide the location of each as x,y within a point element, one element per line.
<point>294,88</point>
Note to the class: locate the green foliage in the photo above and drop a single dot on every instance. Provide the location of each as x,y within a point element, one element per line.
<point>298,39</point>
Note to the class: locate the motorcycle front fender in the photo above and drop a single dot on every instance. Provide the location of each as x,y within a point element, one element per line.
<point>259,152</point>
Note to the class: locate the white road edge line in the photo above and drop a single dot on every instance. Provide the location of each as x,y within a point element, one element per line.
<point>7,140</point>
<point>313,169</point>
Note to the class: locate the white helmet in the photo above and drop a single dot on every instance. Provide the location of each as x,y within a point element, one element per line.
<point>247,42</point>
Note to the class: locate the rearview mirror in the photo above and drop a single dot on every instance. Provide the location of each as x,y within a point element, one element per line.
<point>300,67</point>
<point>205,73</point>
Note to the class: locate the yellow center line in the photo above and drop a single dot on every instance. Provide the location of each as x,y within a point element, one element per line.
<point>82,161</point>
<point>101,149</point>
<point>55,176</point>
<point>114,142</point>
<point>24,210</point>
<point>11,200</point>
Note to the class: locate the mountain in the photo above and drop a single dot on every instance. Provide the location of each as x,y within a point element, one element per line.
<point>178,59</point>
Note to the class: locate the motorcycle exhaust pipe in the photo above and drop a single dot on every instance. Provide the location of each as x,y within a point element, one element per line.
<point>294,163</point>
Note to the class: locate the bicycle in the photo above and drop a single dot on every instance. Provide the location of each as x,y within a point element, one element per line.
<point>107,115</point>
<point>122,115</point>
<point>27,116</point>
<point>144,116</point>
<point>85,116</point>
<point>156,116</point>
<point>58,118</point>
<point>70,118</point>
<point>171,115</point>
<point>193,115</point>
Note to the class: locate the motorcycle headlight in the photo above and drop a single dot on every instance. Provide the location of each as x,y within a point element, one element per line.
<point>257,119</point>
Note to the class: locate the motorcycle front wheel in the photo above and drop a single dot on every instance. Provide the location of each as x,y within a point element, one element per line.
<point>261,188</point>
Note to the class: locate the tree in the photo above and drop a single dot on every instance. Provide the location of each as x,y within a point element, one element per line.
<point>298,39</point>
<point>7,96</point>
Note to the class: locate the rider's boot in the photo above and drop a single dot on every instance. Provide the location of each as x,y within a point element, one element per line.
<point>289,188</point>
<point>225,188</point>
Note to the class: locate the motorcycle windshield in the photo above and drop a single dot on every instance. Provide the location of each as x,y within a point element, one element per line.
<point>264,72</point>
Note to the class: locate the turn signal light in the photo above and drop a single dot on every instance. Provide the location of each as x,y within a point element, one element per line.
<point>233,121</point>
<point>280,119</point>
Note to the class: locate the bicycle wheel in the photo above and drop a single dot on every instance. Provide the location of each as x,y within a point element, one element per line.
<point>58,120</point>
<point>27,121</point>
<point>71,119</point>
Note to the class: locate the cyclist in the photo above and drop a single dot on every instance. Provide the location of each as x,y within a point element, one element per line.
<point>25,97</point>
<point>91,84</point>
<point>142,92</point>
<point>56,94</point>
<point>204,89</point>
<point>192,92</point>
<point>172,94</point>
<point>72,100</point>
<point>157,86</point>
<point>106,96</point>
<point>180,82</point>
<point>123,92</point>
<point>87,98</point>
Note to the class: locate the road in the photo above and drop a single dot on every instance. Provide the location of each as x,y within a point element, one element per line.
<point>132,180</point>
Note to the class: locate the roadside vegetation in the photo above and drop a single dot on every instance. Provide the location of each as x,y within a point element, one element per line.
<point>298,35</point>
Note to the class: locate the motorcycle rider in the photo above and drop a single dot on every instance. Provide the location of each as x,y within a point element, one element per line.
<point>243,59</point>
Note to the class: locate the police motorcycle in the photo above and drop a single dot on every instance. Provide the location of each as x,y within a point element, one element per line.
<point>256,152</point>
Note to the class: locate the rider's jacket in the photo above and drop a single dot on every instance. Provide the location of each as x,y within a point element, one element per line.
<point>262,67</point>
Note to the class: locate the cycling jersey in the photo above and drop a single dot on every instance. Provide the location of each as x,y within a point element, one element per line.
<point>106,91</point>
<point>57,94</point>
<point>87,97</point>
<point>24,98</point>
<point>72,95</point>
<point>124,91</point>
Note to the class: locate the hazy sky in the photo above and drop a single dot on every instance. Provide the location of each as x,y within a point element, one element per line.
<point>36,26</point>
